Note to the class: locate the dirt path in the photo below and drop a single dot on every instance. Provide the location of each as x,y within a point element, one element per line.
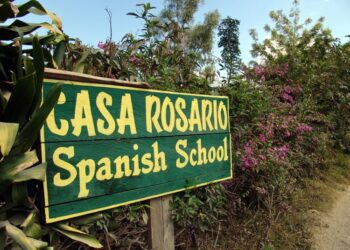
<point>333,230</point>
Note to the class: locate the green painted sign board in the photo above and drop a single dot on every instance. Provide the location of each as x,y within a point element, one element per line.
<point>107,146</point>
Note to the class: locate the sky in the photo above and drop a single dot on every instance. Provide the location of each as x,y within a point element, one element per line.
<point>87,19</point>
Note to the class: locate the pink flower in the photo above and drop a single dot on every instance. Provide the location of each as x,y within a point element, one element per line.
<point>248,148</point>
<point>101,45</point>
<point>249,162</point>
<point>288,90</point>
<point>262,157</point>
<point>262,138</point>
<point>134,59</point>
<point>280,152</point>
<point>287,134</point>
<point>287,98</point>
<point>303,128</point>
<point>258,70</point>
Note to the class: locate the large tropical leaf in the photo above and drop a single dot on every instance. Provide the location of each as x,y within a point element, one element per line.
<point>3,102</point>
<point>8,132</point>
<point>31,226</point>
<point>13,165</point>
<point>9,32</point>
<point>33,173</point>
<point>17,235</point>
<point>7,10</point>
<point>76,234</point>
<point>59,51</point>
<point>30,132</point>
<point>21,99</point>
<point>35,7</point>
<point>38,61</point>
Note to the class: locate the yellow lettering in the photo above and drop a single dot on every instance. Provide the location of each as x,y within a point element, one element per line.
<point>85,176</point>
<point>192,154</point>
<point>135,160</point>
<point>220,153</point>
<point>82,114</point>
<point>179,149</point>
<point>206,116</point>
<point>194,116</point>
<point>152,119</point>
<point>168,108</point>
<point>146,161</point>
<point>104,170</point>
<point>180,105</point>
<point>211,154</point>
<point>102,100</point>
<point>225,149</point>
<point>223,119</point>
<point>57,179</point>
<point>202,153</point>
<point>51,123</point>
<point>215,114</point>
<point>159,159</point>
<point>126,117</point>
<point>119,161</point>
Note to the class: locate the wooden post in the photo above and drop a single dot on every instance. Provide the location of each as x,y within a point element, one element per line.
<point>161,224</point>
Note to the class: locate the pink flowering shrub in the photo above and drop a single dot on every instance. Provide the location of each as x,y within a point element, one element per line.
<point>278,146</point>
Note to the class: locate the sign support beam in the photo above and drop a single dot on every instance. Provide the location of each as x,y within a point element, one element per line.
<point>161,224</point>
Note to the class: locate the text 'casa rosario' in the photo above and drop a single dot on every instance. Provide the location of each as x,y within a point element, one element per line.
<point>160,115</point>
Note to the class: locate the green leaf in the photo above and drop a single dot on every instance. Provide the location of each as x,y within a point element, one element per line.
<point>77,235</point>
<point>3,103</point>
<point>12,165</point>
<point>18,27</point>
<point>30,132</point>
<point>43,40</point>
<point>30,219</point>
<point>17,235</point>
<point>19,193</point>
<point>35,7</point>
<point>34,173</point>
<point>17,109</point>
<point>38,60</point>
<point>28,66</point>
<point>79,67</point>
<point>8,132</point>
<point>7,10</point>
<point>38,244</point>
<point>2,70</point>
<point>58,53</point>
<point>2,240</point>
<point>87,219</point>
<point>33,230</point>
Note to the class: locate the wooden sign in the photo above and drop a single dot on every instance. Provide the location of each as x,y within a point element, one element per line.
<point>107,146</point>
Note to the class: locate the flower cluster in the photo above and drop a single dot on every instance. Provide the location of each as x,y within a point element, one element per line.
<point>134,59</point>
<point>279,153</point>
<point>265,73</point>
<point>303,128</point>
<point>248,159</point>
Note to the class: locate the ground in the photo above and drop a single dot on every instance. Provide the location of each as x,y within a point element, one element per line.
<point>333,230</point>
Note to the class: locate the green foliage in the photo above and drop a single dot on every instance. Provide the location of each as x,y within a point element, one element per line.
<point>22,114</point>
<point>200,209</point>
<point>229,42</point>
<point>18,32</point>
